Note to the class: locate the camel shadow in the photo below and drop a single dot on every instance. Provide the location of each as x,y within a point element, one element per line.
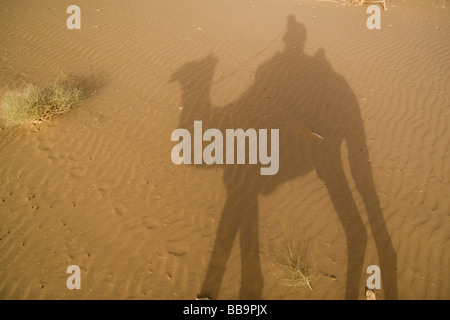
<point>315,111</point>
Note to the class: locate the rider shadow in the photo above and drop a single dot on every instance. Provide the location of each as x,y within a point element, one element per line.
<point>315,111</point>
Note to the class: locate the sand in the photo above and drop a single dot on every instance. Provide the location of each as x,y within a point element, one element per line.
<point>96,187</point>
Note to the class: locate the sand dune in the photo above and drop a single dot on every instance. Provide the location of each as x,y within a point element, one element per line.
<point>96,187</point>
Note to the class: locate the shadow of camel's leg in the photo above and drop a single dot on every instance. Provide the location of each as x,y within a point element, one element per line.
<point>240,207</point>
<point>333,175</point>
<point>251,275</point>
<point>226,233</point>
<point>362,174</point>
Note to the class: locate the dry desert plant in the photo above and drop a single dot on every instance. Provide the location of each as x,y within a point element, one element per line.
<point>33,104</point>
<point>298,271</point>
<point>290,261</point>
<point>360,2</point>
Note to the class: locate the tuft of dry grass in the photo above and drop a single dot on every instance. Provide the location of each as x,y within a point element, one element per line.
<point>291,268</point>
<point>360,2</point>
<point>33,104</point>
<point>297,270</point>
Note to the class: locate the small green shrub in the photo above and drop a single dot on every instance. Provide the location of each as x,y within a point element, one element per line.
<point>33,104</point>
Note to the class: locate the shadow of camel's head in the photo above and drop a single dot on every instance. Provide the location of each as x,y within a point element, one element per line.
<point>187,75</point>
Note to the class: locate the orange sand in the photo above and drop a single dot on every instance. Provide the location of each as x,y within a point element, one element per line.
<point>96,187</point>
